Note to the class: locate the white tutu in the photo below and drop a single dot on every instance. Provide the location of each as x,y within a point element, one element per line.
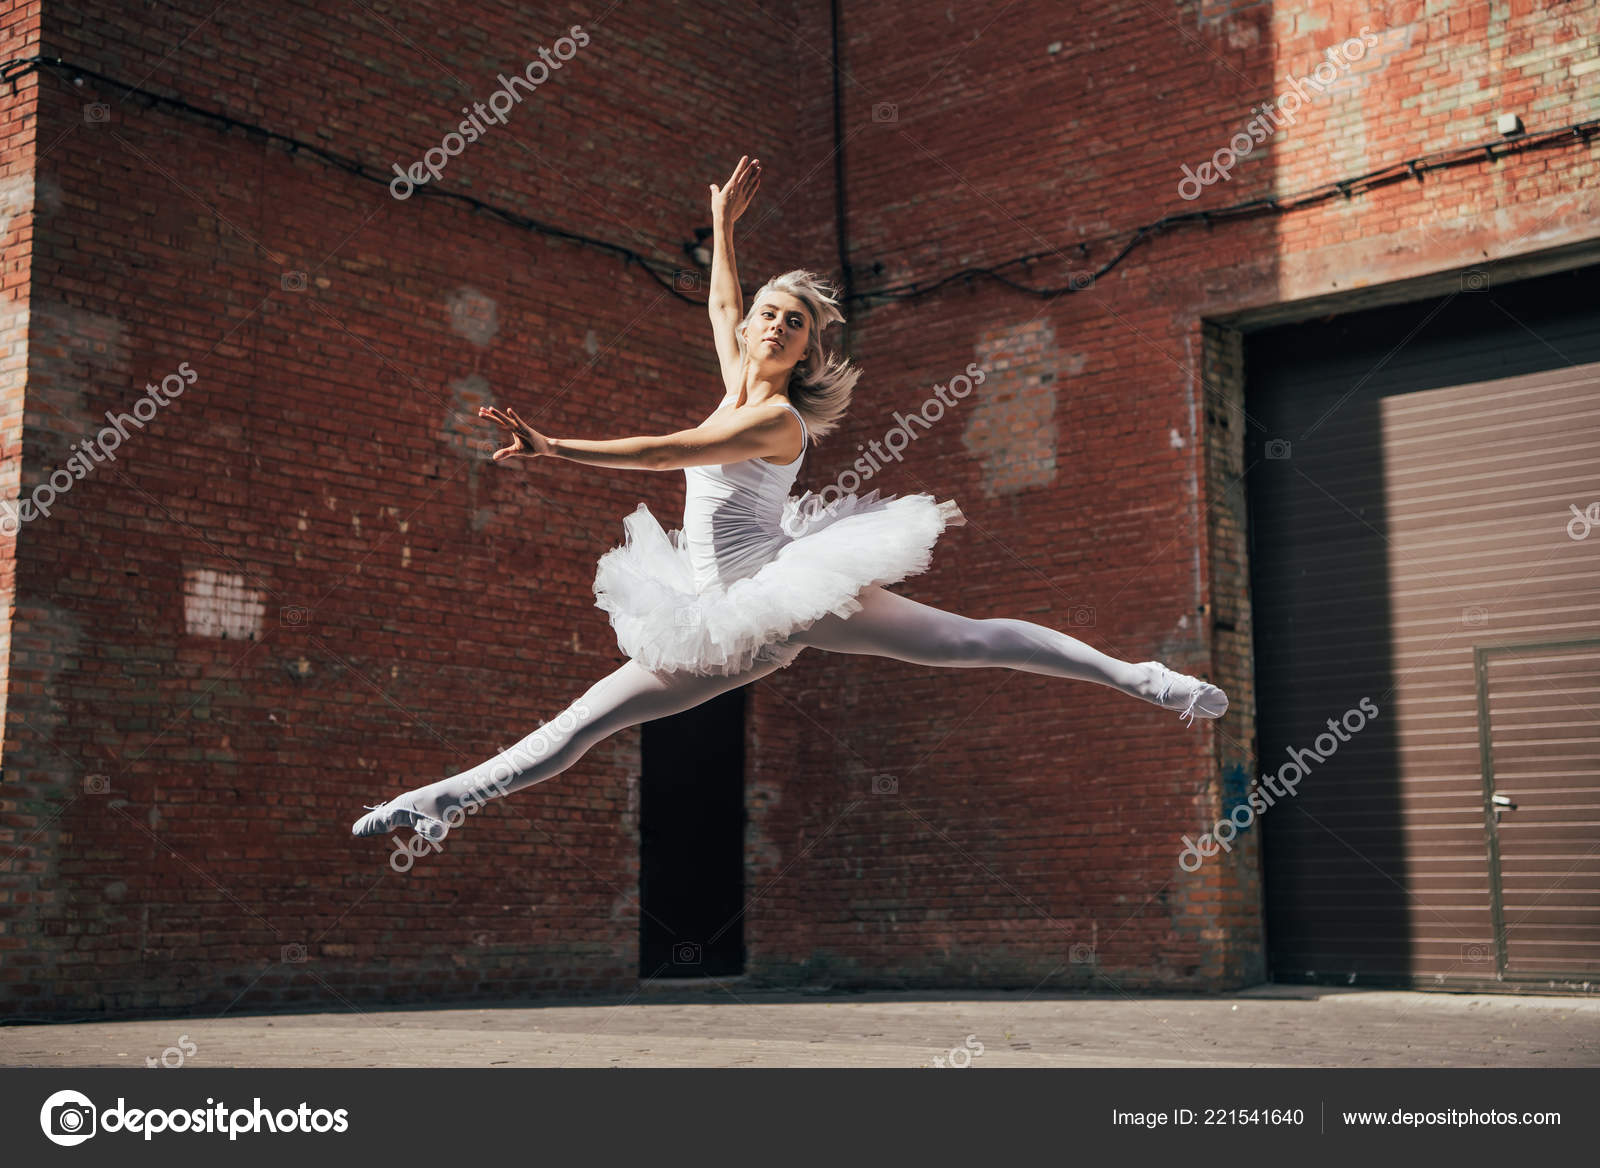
<point>647,585</point>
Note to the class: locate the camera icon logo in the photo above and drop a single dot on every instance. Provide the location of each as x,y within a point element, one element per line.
<point>885,112</point>
<point>685,280</point>
<point>885,785</point>
<point>686,953</point>
<point>1081,954</point>
<point>293,953</point>
<point>1078,281</point>
<point>96,113</point>
<point>293,281</point>
<point>67,1118</point>
<point>96,784</point>
<point>1474,280</point>
<point>293,615</point>
<point>1081,614</point>
<point>1278,448</point>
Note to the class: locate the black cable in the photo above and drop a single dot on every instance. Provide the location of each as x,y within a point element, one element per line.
<point>1412,168</point>
<point>841,223</point>
<point>11,70</point>
<point>1251,208</point>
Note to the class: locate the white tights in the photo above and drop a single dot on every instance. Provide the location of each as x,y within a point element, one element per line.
<point>888,625</point>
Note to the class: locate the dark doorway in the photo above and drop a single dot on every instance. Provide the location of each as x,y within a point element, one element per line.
<point>691,842</point>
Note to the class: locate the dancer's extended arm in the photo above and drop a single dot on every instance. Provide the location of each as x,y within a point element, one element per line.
<point>733,437</point>
<point>754,434</point>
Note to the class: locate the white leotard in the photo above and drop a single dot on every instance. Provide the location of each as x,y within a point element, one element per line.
<point>731,513</point>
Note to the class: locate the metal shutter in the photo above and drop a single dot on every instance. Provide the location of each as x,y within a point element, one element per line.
<point>1412,473</point>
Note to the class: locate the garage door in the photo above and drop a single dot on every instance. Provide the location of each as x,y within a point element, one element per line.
<point>1426,604</point>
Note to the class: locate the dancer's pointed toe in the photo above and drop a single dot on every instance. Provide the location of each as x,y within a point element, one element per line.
<point>382,818</point>
<point>1189,695</point>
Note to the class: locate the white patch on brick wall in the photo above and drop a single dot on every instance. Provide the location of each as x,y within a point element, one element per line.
<point>1011,429</point>
<point>220,604</point>
<point>470,436</point>
<point>16,196</point>
<point>473,315</point>
<point>75,357</point>
<point>1175,439</point>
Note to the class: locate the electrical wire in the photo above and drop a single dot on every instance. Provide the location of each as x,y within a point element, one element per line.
<point>1251,208</point>
<point>22,65</point>
<point>665,273</point>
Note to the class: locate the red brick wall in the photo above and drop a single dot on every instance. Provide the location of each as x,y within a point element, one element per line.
<point>1039,821</point>
<point>438,605</point>
<point>22,890</point>
<point>397,607</point>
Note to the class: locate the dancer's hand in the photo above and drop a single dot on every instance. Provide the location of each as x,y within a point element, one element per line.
<point>730,200</point>
<point>526,441</point>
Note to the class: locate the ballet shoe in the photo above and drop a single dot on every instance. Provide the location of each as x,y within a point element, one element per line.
<point>1190,695</point>
<point>382,818</point>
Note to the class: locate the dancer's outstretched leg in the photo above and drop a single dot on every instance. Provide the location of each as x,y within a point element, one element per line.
<point>890,625</point>
<point>626,697</point>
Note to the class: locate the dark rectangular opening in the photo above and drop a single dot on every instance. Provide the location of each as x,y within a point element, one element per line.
<point>691,840</point>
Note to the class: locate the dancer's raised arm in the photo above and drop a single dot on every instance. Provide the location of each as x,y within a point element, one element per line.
<point>726,302</point>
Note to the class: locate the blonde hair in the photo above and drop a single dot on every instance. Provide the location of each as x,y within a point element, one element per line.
<point>820,385</point>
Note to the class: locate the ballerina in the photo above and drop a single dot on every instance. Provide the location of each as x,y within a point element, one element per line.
<point>756,576</point>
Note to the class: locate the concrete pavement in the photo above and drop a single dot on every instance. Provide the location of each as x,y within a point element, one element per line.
<point>729,1025</point>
